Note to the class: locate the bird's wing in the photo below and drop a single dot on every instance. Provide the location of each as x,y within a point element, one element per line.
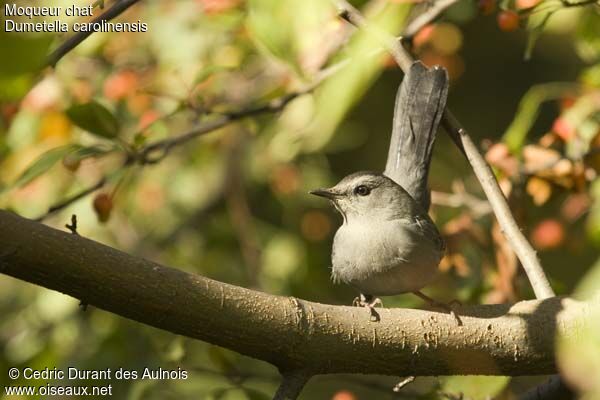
<point>420,103</point>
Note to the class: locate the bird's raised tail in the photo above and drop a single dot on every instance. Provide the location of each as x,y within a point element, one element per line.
<point>420,103</point>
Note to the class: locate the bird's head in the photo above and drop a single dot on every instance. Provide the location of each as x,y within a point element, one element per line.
<point>370,195</point>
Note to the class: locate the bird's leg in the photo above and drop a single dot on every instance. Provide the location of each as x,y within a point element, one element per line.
<point>439,304</point>
<point>370,302</point>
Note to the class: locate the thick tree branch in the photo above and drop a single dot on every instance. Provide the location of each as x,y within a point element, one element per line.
<point>290,333</point>
<point>483,172</point>
<point>117,9</point>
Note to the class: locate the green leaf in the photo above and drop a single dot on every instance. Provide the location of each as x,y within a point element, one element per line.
<point>81,153</point>
<point>94,118</point>
<point>14,88</point>
<point>588,36</point>
<point>593,220</point>
<point>591,76</point>
<point>210,71</point>
<point>223,359</point>
<point>270,22</point>
<point>42,164</point>
<point>528,110</point>
<point>23,53</point>
<point>253,394</point>
<point>578,351</point>
<point>475,387</point>
<point>288,29</point>
<point>536,25</point>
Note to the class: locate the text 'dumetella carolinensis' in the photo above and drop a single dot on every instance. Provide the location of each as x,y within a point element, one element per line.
<point>388,244</point>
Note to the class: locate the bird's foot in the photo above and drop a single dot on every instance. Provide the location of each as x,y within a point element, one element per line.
<point>444,306</point>
<point>370,302</point>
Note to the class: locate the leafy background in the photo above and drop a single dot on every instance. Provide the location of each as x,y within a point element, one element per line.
<point>233,204</point>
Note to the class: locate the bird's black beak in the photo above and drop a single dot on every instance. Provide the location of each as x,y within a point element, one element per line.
<point>327,193</point>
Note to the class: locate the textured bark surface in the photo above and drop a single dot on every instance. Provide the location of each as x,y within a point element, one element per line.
<point>290,333</point>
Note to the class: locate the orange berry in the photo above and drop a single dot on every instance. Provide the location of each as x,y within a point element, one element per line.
<point>567,102</point>
<point>120,84</point>
<point>217,6</point>
<point>344,395</point>
<point>525,4</point>
<point>148,118</point>
<point>548,234</point>
<point>424,35</point>
<point>103,205</point>
<point>508,20</point>
<point>564,129</point>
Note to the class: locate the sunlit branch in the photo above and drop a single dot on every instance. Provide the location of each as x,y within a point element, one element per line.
<point>292,334</point>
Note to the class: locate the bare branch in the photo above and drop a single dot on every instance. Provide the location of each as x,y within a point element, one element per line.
<point>353,16</point>
<point>519,243</point>
<point>301,335</point>
<point>157,151</point>
<point>461,198</point>
<point>511,230</point>
<point>67,202</point>
<point>426,17</point>
<point>117,9</point>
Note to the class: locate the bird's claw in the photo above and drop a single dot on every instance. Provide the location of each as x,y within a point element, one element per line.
<point>446,307</point>
<point>369,302</point>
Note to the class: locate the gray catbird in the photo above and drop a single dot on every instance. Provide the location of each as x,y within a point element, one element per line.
<point>387,244</point>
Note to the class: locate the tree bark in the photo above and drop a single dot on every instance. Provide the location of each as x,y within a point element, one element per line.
<point>293,334</point>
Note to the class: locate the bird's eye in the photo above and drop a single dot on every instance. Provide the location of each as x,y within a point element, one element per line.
<point>362,190</point>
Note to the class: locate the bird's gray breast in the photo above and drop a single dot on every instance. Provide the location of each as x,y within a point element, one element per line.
<point>386,257</point>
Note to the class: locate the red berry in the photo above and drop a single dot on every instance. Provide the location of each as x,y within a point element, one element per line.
<point>549,234</point>
<point>486,7</point>
<point>103,205</point>
<point>344,395</point>
<point>508,21</point>
<point>564,129</point>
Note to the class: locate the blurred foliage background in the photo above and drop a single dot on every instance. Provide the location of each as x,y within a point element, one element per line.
<point>233,204</point>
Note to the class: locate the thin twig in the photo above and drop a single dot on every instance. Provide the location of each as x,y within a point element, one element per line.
<point>426,17</point>
<point>353,16</point>
<point>291,385</point>
<point>73,228</point>
<point>483,172</point>
<point>400,385</point>
<point>67,202</point>
<point>512,232</point>
<point>146,155</point>
<point>459,197</point>
<point>117,9</point>
<point>73,225</point>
